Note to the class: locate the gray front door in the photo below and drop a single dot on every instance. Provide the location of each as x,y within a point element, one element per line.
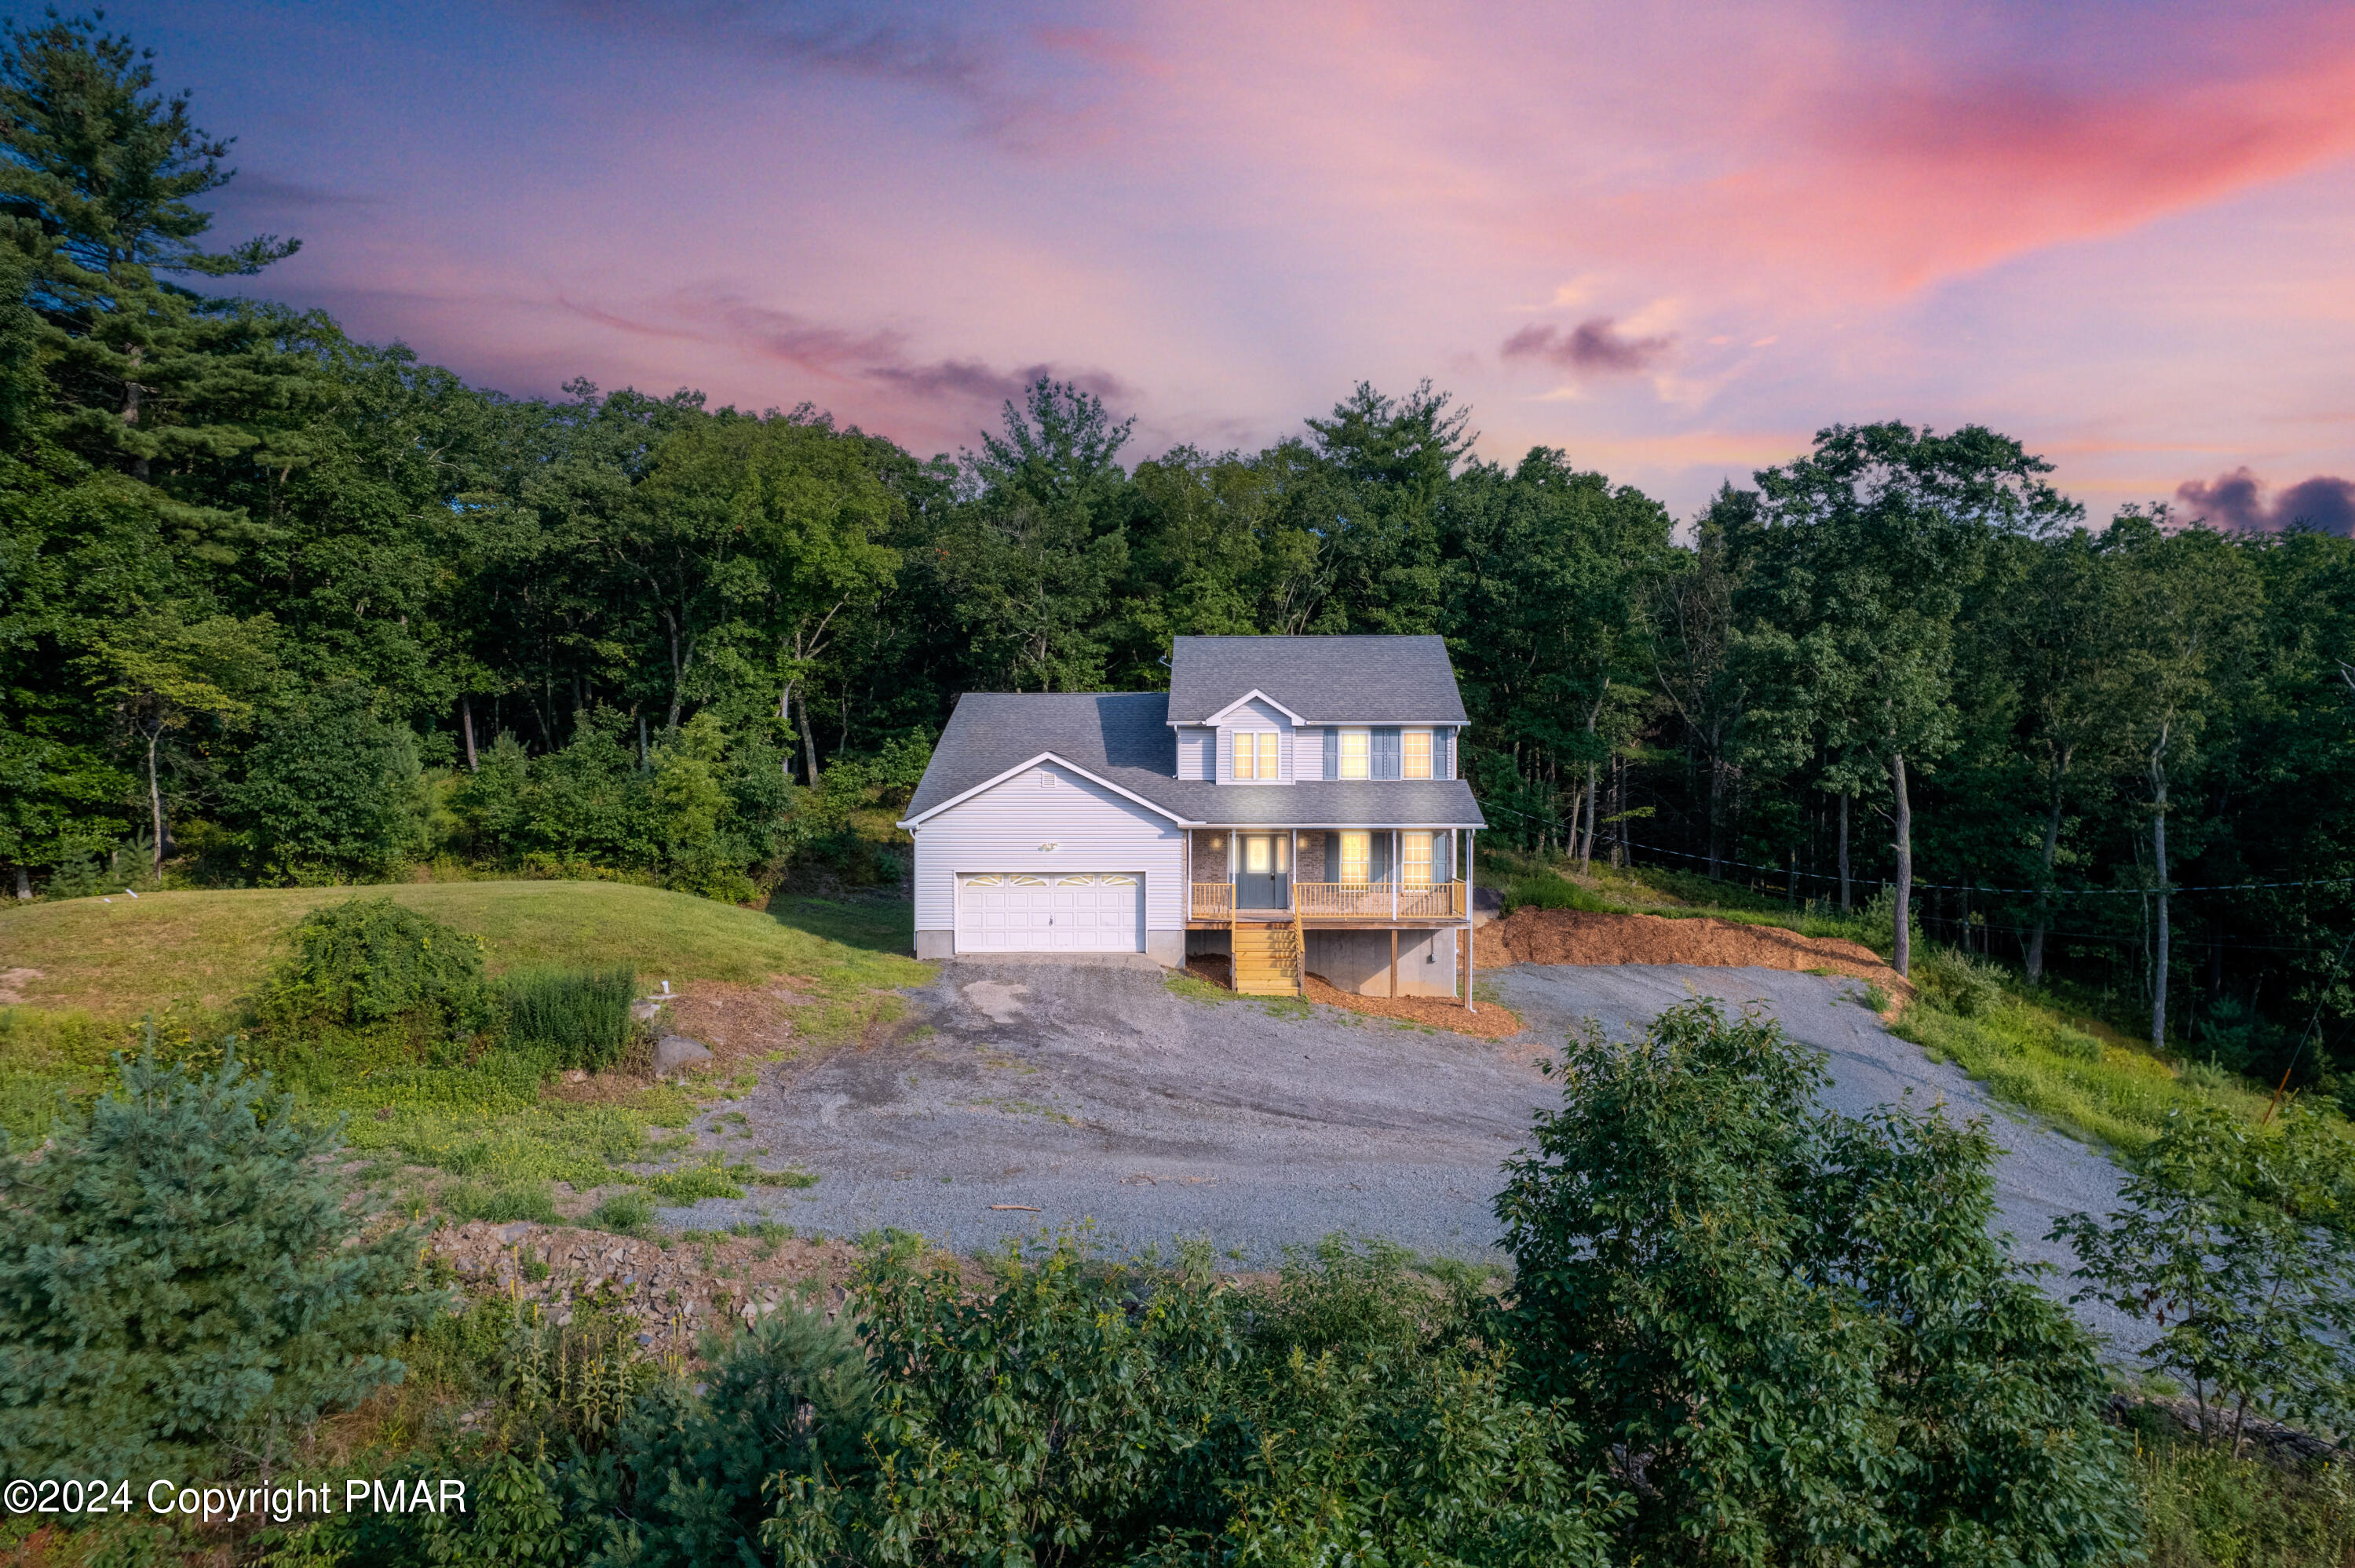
<point>1262,868</point>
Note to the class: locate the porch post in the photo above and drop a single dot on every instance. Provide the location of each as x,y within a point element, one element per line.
<point>1398,872</point>
<point>1471,853</point>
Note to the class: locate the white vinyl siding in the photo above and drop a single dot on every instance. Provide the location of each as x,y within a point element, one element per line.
<point>1004,829</point>
<point>1308,754</point>
<point>1256,718</point>
<point>1194,759</point>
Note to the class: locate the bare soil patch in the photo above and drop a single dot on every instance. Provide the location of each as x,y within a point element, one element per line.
<point>743,1025</point>
<point>13,983</point>
<point>1580,937</point>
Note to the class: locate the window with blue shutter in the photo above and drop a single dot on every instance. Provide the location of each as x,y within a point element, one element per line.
<point>1332,754</point>
<point>1386,754</point>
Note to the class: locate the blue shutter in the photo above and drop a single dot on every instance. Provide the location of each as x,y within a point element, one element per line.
<point>1332,758</point>
<point>1386,754</point>
<point>1442,754</point>
<point>1332,849</point>
<point>1379,859</point>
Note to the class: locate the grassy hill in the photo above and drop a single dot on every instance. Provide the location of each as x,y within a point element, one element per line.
<point>83,977</point>
<point>121,957</point>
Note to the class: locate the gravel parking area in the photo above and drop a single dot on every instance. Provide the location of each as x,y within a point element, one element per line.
<point>1038,1094</point>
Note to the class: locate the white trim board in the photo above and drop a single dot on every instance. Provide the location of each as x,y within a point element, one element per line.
<point>1254,692</point>
<point>913,822</point>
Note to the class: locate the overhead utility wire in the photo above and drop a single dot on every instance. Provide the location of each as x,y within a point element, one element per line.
<point>1951,886</point>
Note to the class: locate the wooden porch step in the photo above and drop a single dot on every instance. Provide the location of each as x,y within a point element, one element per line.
<point>1266,960</point>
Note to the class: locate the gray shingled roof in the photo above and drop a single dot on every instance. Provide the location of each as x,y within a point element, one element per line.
<point>1338,680</point>
<point>1123,739</point>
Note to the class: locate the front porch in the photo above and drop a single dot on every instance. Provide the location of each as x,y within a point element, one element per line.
<point>1375,912</point>
<point>1369,906</point>
<point>1362,879</point>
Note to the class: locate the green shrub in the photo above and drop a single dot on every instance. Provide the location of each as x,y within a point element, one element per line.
<point>181,1269</point>
<point>1966,986</point>
<point>2204,1507</point>
<point>1543,889</point>
<point>1085,1411</point>
<point>791,1395</point>
<point>372,962</point>
<point>1798,1317</point>
<point>499,1204</point>
<point>628,1213</point>
<point>579,1018</point>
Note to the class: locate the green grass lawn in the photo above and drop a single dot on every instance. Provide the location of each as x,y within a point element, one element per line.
<point>126,957</point>
<point>500,1138</point>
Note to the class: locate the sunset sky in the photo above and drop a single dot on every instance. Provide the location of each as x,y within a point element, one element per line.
<point>1673,240</point>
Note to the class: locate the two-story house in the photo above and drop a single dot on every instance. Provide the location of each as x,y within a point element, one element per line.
<point>1291,801</point>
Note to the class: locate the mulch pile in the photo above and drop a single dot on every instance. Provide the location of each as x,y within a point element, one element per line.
<point>1577,937</point>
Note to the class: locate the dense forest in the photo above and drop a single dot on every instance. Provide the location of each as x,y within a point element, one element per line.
<point>279,606</point>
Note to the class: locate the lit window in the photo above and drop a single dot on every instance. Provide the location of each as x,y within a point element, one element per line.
<point>1255,754</point>
<point>1415,860</point>
<point>1358,857</point>
<point>1356,751</point>
<point>1414,754</point>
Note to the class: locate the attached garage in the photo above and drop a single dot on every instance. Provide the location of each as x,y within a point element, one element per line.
<point>1060,912</point>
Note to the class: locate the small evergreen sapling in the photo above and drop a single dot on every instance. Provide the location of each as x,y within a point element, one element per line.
<point>181,1269</point>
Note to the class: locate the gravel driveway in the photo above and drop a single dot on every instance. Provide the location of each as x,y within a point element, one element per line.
<point>1071,1091</point>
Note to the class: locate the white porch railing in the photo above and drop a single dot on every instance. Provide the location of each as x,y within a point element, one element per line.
<point>1313,901</point>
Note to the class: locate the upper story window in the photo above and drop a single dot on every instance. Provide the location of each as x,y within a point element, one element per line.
<point>1357,753</point>
<point>1414,754</point>
<point>1255,755</point>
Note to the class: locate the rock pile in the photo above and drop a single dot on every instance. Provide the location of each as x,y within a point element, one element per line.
<point>696,1283</point>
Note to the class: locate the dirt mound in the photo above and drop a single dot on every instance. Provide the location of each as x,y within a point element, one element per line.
<point>1577,937</point>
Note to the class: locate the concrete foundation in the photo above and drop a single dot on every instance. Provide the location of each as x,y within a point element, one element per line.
<point>1164,948</point>
<point>1359,961</point>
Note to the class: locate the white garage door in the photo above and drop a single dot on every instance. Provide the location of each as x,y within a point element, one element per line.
<point>1016,912</point>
